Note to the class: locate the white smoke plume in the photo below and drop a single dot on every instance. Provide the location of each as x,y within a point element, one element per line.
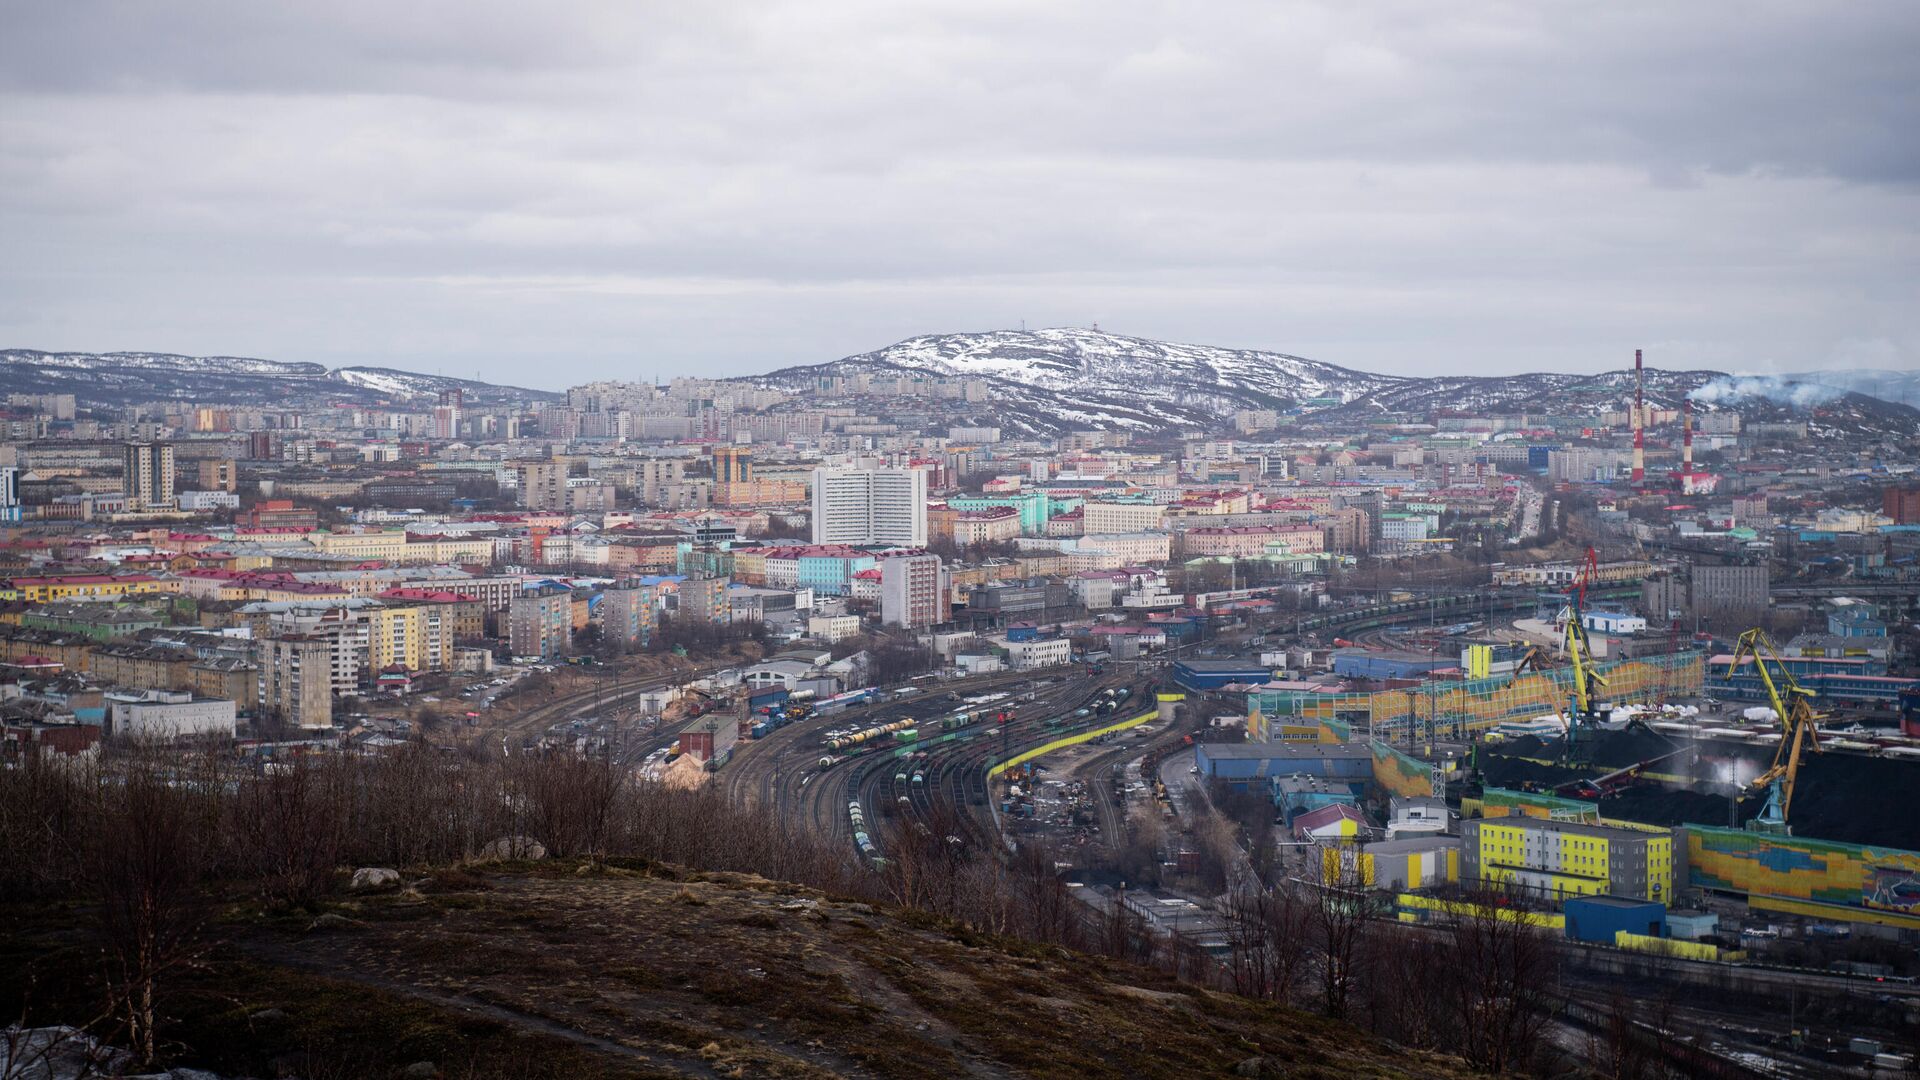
<point>1732,389</point>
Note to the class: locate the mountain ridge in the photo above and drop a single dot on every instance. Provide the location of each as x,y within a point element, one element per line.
<point>1056,379</point>
<point>127,377</point>
<point>1040,383</point>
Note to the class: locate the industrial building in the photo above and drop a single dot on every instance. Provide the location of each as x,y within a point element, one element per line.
<point>1213,674</point>
<point>1560,859</point>
<point>1416,863</point>
<point>1598,919</point>
<point>1833,678</point>
<point>1373,664</point>
<point>1252,766</point>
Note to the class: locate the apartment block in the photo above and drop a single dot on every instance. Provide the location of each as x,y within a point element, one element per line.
<point>541,624</point>
<point>296,682</point>
<point>914,591</point>
<point>870,506</point>
<point>148,472</point>
<point>628,615</point>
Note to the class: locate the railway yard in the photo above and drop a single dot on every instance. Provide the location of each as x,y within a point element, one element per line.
<point>938,778</point>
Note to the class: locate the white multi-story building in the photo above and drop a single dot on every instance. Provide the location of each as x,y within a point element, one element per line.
<point>1027,655</point>
<point>9,493</point>
<point>870,506</point>
<point>169,714</point>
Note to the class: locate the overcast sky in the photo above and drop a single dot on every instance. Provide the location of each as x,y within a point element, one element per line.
<point>548,192</point>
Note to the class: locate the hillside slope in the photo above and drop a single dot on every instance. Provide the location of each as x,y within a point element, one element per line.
<point>1059,379</point>
<point>635,973</point>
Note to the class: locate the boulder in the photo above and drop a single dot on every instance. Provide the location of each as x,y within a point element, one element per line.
<point>368,878</point>
<point>332,921</point>
<point>513,847</point>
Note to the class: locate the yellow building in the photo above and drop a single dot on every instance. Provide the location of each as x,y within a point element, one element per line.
<point>418,637</point>
<point>448,550</point>
<point>83,587</point>
<point>388,544</point>
<point>1560,859</point>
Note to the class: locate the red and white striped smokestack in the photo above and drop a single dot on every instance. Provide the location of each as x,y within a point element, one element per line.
<point>1686,440</point>
<point>1639,424</point>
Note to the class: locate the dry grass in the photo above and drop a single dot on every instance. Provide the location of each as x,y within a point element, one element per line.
<point>648,970</point>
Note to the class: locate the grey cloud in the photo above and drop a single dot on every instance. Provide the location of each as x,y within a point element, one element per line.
<point>1387,185</point>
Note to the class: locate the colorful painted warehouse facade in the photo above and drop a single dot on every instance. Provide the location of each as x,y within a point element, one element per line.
<point>1817,878</point>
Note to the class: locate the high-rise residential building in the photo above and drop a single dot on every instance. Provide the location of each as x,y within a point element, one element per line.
<point>148,472</point>
<point>627,615</point>
<point>732,464</point>
<point>9,493</point>
<point>543,485</point>
<point>870,506</point>
<point>914,591</point>
<point>704,599</point>
<point>650,475</point>
<point>446,415</point>
<point>296,680</point>
<point>217,474</point>
<point>541,624</point>
<point>411,635</point>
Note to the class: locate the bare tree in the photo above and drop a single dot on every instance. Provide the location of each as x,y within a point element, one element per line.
<point>570,800</point>
<point>1340,918</point>
<point>288,825</point>
<point>1269,939</point>
<point>1503,965</point>
<point>145,849</point>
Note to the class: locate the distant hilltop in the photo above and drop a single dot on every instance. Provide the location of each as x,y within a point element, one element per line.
<point>123,378</point>
<point>1039,383</point>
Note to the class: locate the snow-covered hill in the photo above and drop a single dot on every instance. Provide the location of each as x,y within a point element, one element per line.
<point>1054,380</point>
<point>120,378</point>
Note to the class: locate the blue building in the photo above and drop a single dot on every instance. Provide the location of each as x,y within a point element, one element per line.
<point>1368,664</point>
<point>1253,766</point>
<point>831,574</point>
<point>1838,678</point>
<point>1298,794</point>
<point>1596,919</point>
<point>1214,674</point>
<point>1856,620</point>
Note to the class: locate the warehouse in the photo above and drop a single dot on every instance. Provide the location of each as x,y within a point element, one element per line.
<point>1371,664</point>
<point>1252,766</point>
<point>1214,674</point>
<point>1595,919</point>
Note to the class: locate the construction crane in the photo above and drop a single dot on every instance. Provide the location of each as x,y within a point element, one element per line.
<point>1800,726</point>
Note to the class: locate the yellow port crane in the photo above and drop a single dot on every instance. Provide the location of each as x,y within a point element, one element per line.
<point>1580,705</point>
<point>1799,725</point>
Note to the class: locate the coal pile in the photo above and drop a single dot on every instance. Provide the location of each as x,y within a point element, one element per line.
<point>1857,800</point>
<point>1619,749</point>
<point>1650,805</point>
<point>1506,772</point>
